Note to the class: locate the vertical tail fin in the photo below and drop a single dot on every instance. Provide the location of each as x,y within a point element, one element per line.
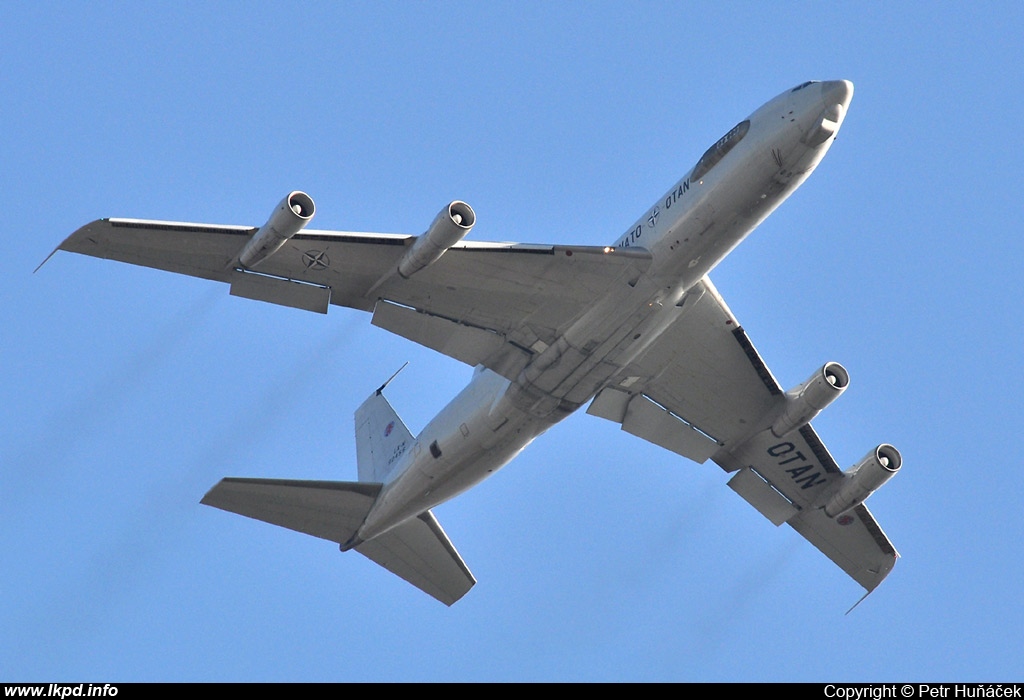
<point>381,438</point>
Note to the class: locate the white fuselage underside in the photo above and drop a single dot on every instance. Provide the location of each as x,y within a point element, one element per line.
<point>688,231</point>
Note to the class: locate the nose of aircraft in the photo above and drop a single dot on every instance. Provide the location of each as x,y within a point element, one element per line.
<point>837,92</point>
<point>828,113</point>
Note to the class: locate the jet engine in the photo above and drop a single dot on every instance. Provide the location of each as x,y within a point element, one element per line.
<point>450,226</point>
<point>864,478</point>
<point>807,400</point>
<point>288,218</point>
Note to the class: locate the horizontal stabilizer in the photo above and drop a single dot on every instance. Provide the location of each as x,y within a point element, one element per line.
<point>331,510</point>
<point>419,551</point>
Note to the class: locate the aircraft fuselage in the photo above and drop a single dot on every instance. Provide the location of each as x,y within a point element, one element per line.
<point>690,229</point>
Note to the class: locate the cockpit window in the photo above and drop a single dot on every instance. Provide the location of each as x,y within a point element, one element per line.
<point>801,86</point>
<point>718,151</point>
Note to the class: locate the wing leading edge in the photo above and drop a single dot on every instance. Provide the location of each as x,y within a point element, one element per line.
<point>703,391</point>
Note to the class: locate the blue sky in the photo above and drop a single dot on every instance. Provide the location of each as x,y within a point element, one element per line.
<point>128,392</point>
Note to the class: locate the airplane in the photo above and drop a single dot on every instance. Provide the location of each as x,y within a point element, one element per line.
<point>635,328</point>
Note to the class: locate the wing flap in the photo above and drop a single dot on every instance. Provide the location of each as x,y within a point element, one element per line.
<point>642,417</point>
<point>763,496</point>
<point>469,344</point>
<point>298,295</point>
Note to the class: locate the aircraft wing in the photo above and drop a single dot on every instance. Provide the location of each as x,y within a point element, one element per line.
<point>481,303</point>
<point>703,391</point>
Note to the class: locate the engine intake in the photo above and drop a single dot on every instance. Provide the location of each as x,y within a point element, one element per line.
<point>864,478</point>
<point>288,218</point>
<point>807,400</point>
<point>450,226</point>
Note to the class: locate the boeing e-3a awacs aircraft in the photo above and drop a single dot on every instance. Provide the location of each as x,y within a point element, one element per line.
<point>635,328</point>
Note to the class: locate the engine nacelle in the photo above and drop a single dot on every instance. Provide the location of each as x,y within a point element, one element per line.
<point>864,478</point>
<point>807,400</point>
<point>449,227</point>
<point>289,217</point>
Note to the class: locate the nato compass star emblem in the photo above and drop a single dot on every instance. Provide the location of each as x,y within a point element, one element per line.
<point>652,220</point>
<point>315,260</point>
